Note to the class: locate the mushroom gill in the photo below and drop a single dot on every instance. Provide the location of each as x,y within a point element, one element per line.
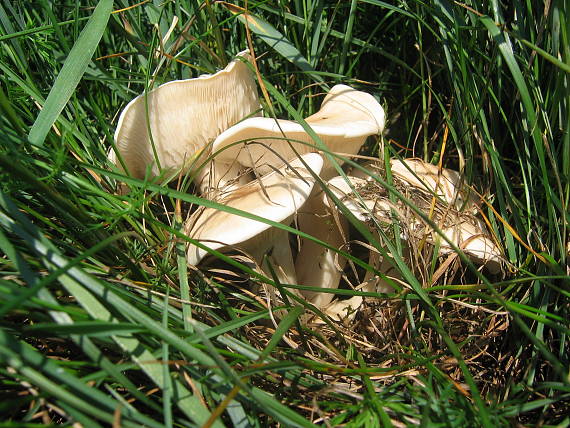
<point>184,116</point>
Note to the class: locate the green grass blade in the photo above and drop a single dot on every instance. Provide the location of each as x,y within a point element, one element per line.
<point>347,36</point>
<point>86,289</point>
<point>31,364</point>
<point>71,72</point>
<point>275,40</point>
<point>281,330</point>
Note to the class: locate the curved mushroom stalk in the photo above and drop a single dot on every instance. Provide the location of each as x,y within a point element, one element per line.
<point>362,208</point>
<point>346,118</point>
<point>183,117</point>
<point>345,309</point>
<point>318,266</point>
<point>276,196</point>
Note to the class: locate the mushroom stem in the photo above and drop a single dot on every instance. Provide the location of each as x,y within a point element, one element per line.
<point>375,283</point>
<point>277,196</point>
<point>340,309</point>
<point>277,252</point>
<point>318,266</point>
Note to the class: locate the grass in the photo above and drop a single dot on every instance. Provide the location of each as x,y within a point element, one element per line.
<point>103,323</point>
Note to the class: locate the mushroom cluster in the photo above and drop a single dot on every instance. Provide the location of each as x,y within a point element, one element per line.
<point>268,171</point>
<point>427,197</point>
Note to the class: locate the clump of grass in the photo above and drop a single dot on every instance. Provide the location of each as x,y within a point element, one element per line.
<point>103,322</point>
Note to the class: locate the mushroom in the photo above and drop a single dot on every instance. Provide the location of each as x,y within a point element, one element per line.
<point>460,224</point>
<point>368,202</point>
<point>361,209</point>
<point>276,196</point>
<point>346,118</point>
<point>184,116</point>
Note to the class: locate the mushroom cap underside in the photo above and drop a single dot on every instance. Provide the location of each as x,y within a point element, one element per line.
<point>264,143</point>
<point>184,116</point>
<point>276,196</point>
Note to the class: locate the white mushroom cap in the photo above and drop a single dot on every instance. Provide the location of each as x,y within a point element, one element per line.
<point>184,116</point>
<point>277,196</point>
<point>346,118</point>
<point>360,111</point>
<point>446,184</point>
<point>467,231</point>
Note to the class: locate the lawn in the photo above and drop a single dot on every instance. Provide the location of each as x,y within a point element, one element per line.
<point>104,320</point>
